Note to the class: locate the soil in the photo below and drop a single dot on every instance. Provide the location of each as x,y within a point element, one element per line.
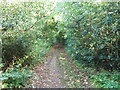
<point>50,74</point>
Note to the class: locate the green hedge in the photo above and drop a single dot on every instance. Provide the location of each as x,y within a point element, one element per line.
<point>92,32</point>
<point>23,41</point>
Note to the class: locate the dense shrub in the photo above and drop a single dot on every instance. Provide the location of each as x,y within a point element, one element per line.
<point>92,32</point>
<point>88,30</point>
<point>23,40</point>
<point>22,25</point>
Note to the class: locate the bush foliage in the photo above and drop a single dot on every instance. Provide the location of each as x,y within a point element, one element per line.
<point>24,40</point>
<point>89,31</point>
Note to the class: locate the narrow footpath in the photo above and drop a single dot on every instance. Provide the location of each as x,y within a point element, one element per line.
<point>52,74</point>
<point>49,75</point>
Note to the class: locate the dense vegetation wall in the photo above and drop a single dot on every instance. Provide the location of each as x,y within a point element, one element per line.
<point>92,32</point>
<point>26,38</point>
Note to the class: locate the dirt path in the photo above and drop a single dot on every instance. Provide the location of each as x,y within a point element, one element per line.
<point>48,75</point>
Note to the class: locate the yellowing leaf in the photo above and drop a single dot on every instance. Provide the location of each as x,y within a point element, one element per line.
<point>77,80</point>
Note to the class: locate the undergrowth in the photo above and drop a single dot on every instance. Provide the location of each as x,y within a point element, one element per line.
<point>19,71</point>
<point>78,75</point>
<point>70,78</point>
